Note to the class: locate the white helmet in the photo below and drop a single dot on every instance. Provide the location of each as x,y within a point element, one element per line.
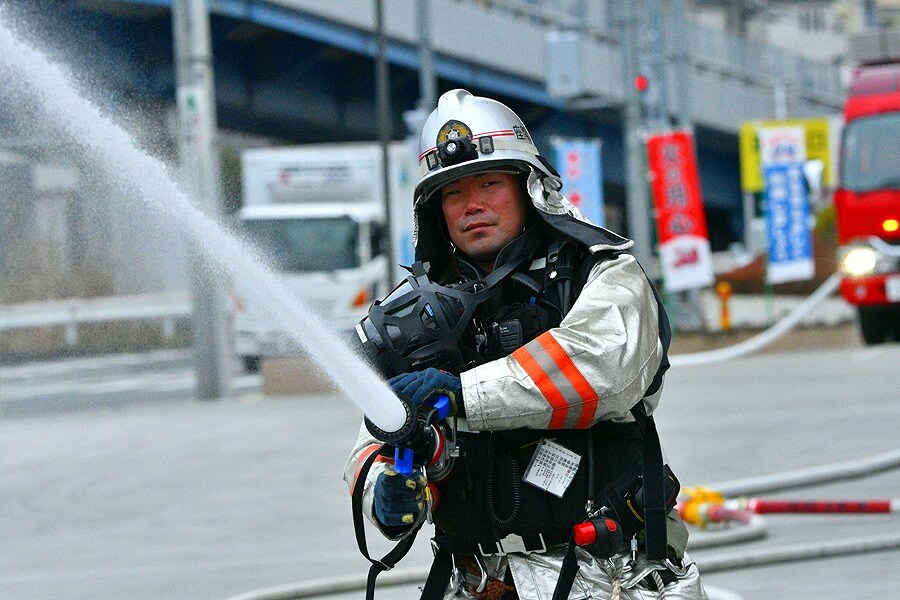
<point>466,134</point>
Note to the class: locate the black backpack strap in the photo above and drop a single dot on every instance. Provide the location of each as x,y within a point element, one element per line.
<point>567,572</point>
<point>654,486</point>
<point>561,273</point>
<point>656,543</point>
<point>441,569</point>
<point>498,274</point>
<point>386,562</point>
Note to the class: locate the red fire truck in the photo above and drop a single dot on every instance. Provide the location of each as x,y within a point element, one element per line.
<point>867,200</point>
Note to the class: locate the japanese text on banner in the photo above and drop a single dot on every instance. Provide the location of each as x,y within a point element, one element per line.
<point>684,249</point>
<point>578,163</point>
<point>790,254</point>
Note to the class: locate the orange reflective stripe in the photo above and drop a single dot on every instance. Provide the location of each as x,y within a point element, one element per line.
<point>362,458</point>
<point>548,389</point>
<point>568,368</point>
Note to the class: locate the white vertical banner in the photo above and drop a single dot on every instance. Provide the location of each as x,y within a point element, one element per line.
<point>790,253</point>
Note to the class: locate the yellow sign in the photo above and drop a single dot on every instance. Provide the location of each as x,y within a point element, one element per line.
<point>818,146</point>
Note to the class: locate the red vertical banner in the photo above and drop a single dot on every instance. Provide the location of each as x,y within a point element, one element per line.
<point>684,251</point>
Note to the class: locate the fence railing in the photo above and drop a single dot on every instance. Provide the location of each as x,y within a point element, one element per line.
<point>70,313</point>
<point>751,60</point>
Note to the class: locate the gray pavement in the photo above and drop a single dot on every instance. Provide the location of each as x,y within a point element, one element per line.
<point>185,499</point>
<point>105,381</point>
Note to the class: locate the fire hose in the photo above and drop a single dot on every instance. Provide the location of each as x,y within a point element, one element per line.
<point>718,510</point>
<point>762,557</point>
<point>765,338</point>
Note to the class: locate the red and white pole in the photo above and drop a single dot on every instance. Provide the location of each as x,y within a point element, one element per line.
<point>837,507</point>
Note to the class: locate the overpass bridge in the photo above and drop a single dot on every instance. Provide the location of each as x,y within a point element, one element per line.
<point>302,71</point>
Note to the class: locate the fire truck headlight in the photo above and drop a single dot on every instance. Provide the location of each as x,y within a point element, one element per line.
<point>859,261</point>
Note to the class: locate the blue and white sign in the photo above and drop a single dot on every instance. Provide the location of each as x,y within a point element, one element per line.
<point>787,205</point>
<point>578,163</point>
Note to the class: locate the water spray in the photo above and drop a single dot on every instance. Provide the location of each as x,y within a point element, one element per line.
<point>49,90</point>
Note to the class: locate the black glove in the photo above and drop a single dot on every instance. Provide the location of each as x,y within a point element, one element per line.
<point>399,499</point>
<point>422,386</point>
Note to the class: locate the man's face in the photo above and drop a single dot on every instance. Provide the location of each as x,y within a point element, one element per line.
<point>484,212</point>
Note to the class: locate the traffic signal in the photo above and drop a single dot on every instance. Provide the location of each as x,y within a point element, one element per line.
<point>640,82</point>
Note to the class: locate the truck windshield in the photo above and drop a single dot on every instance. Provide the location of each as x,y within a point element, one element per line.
<point>871,160</point>
<point>320,244</point>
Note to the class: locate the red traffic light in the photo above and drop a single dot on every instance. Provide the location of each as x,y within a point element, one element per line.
<point>640,83</point>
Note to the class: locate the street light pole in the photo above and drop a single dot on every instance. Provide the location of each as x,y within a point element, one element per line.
<point>200,166</point>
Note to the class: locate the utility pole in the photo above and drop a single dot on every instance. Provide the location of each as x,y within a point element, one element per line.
<point>636,172</point>
<point>682,65</point>
<point>689,314</point>
<point>657,94</point>
<point>384,132</point>
<point>200,165</point>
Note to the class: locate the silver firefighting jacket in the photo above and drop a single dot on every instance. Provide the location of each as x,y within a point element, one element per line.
<point>596,365</point>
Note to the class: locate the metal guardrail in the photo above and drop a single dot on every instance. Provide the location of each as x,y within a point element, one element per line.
<point>70,313</point>
<point>718,50</point>
<point>762,63</point>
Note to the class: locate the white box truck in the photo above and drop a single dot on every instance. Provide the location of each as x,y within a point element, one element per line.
<point>318,213</point>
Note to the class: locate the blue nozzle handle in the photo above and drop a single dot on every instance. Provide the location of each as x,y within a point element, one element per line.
<point>442,404</point>
<point>403,457</point>
<point>403,461</point>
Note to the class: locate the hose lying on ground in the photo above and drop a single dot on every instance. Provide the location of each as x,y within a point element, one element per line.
<point>800,552</point>
<point>811,476</point>
<point>336,585</point>
<point>714,593</point>
<point>744,560</point>
<point>754,528</point>
<point>765,338</point>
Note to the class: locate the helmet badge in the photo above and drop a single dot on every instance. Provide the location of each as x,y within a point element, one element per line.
<point>452,130</point>
<point>454,145</point>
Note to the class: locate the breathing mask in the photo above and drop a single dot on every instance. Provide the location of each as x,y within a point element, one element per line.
<point>421,324</point>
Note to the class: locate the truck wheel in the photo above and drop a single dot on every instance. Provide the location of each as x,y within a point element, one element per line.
<point>873,324</point>
<point>251,363</point>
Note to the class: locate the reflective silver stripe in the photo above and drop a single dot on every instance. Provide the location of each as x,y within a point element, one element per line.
<point>513,144</point>
<point>562,383</point>
<point>499,144</point>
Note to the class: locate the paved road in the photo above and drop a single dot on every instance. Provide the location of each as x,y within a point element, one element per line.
<point>104,381</point>
<point>184,499</point>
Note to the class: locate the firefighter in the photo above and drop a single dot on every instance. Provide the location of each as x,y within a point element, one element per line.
<point>552,386</point>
